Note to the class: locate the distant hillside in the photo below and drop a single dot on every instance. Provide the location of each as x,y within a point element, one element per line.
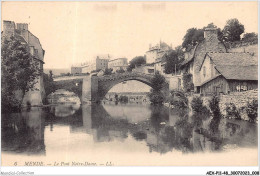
<point>56,71</point>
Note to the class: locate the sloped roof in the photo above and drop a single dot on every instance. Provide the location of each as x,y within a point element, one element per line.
<point>208,80</point>
<point>162,58</point>
<point>237,66</point>
<point>234,59</point>
<point>238,72</point>
<point>190,53</point>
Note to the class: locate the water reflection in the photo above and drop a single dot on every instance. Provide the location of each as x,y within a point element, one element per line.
<point>158,128</point>
<point>24,132</point>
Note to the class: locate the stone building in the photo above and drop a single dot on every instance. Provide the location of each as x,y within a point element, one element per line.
<point>20,31</point>
<point>76,70</point>
<point>157,51</point>
<point>102,62</point>
<point>88,68</point>
<point>159,64</point>
<point>228,72</point>
<point>195,56</point>
<point>146,69</point>
<point>118,64</point>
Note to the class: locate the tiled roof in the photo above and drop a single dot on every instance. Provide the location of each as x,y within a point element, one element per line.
<point>190,53</point>
<point>208,80</point>
<point>234,59</point>
<point>238,66</point>
<point>238,72</point>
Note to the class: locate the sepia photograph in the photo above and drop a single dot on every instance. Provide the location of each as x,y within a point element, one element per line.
<point>97,84</point>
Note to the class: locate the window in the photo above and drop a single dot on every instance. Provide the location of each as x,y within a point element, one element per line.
<point>204,71</point>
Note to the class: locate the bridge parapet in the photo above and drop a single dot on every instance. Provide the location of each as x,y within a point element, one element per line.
<point>124,76</point>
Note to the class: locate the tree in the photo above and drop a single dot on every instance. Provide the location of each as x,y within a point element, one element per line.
<point>49,85</point>
<point>108,71</point>
<point>156,96</point>
<point>232,30</point>
<point>187,82</point>
<point>51,75</point>
<point>158,81</point>
<point>137,61</point>
<point>193,36</point>
<point>19,72</point>
<point>251,110</point>
<point>121,70</point>
<point>173,61</point>
<point>188,39</point>
<point>248,37</point>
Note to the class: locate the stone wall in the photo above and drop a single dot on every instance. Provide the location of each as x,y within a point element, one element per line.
<point>240,99</point>
<point>174,81</point>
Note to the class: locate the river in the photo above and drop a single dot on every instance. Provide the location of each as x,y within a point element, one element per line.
<point>123,134</point>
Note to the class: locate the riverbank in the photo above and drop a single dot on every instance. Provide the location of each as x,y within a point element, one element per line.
<point>236,105</point>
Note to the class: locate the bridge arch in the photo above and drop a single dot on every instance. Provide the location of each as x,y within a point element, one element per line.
<point>105,87</point>
<point>100,85</point>
<point>74,85</point>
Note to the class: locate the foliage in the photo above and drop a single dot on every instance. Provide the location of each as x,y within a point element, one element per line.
<point>156,97</point>
<point>123,99</point>
<point>116,97</point>
<point>215,110</point>
<point>214,107</point>
<point>232,111</point>
<point>193,36</point>
<point>232,30</point>
<point>158,82</point>
<point>120,70</point>
<point>251,110</point>
<point>178,99</point>
<point>9,103</point>
<point>214,125</point>
<point>51,75</point>
<point>196,104</point>
<point>187,82</point>
<point>249,37</point>
<point>128,69</point>
<point>19,72</point>
<point>173,60</point>
<point>198,107</point>
<point>184,124</point>
<point>108,71</point>
<point>49,85</point>
<point>137,61</point>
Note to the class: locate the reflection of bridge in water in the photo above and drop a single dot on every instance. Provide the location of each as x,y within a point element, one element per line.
<point>114,122</point>
<point>26,132</point>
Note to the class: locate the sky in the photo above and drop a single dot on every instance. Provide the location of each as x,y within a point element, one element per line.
<point>76,32</point>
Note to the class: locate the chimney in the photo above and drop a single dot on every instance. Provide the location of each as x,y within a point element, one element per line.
<point>22,26</point>
<point>210,34</point>
<point>9,28</point>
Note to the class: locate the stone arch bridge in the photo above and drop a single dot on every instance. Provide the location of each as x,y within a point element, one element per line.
<point>94,88</point>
